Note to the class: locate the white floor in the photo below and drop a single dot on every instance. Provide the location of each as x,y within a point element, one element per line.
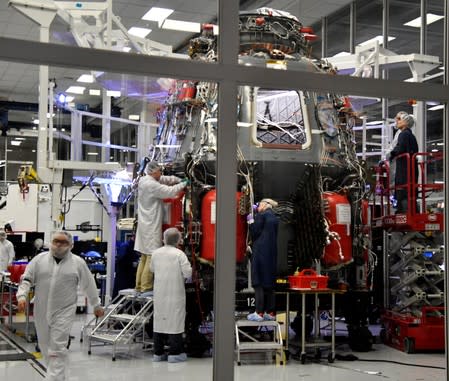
<point>135,364</point>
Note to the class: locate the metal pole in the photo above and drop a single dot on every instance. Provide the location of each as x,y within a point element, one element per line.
<point>423,31</point>
<point>352,26</point>
<point>323,37</point>
<point>446,171</point>
<point>385,106</point>
<point>224,297</point>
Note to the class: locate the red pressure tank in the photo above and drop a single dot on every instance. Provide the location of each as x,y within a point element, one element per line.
<point>172,212</point>
<point>208,219</point>
<point>338,216</point>
<point>16,269</point>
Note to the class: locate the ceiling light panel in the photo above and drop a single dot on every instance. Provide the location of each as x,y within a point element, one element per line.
<point>86,78</point>
<point>94,92</point>
<point>112,93</point>
<point>157,14</point>
<point>430,18</point>
<point>377,38</point>
<point>183,26</point>
<point>437,107</point>
<point>139,32</point>
<point>76,90</point>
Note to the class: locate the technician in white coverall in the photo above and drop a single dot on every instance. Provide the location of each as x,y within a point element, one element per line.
<point>171,267</point>
<point>56,275</point>
<point>6,251</point>
<point>152,189</point>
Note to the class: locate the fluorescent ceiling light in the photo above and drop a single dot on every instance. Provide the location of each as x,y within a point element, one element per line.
<point>86,78</point>
<point>113,93</point>
<point>35,121</point>
<point>92,153</point>
<point>430,18</point>
<point>377,38</point>
<point>69,98</point>
<point>184,26</point>
<point>76,90</point>
<point>342,54</point>
<point>374,122</point>
<point>19,139</point>
<point>94,92</point>
<point>134,117</point>
<point>139,32</point>
<point>437,107</point>
<point>126,49</point>
<point>157,14</point>
<point>16,142</point>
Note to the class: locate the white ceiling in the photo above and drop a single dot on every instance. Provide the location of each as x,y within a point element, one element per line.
<point>20,82</point>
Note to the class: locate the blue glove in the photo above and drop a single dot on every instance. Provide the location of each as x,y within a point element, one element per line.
<point>249,219</point>
<point>254,207</point>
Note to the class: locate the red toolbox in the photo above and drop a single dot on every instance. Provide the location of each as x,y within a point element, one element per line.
<point>410,333</point>
<point>308,279</point>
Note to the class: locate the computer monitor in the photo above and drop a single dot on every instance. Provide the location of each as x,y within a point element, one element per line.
<point>24,250</point>
<point>33,236</point>
<point>14,238</point>
<point>80,247</point>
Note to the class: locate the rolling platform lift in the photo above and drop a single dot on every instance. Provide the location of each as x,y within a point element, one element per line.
<point>414,316</point>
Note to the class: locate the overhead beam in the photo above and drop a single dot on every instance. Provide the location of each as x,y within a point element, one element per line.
<point>37,53</point>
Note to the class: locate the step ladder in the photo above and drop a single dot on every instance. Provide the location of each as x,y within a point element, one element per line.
<point>244,329</point>
<point>123,323</point>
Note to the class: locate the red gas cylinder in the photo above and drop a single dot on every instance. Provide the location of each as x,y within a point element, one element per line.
<point>173,212</point>
<point>208,219</point>
<point>16,269</point>
<point>338,216</point>
<point>187,91</point>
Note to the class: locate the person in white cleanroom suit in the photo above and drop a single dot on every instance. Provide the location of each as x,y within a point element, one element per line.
<point>152,189</point>
<point>171,267</point>
<point>6,251</point>
<point>56,275</point>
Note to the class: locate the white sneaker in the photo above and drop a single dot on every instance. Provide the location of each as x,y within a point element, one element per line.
<point>159,358</point>
<point>269,317</point>
<point>177,358</point>
<point>254,317</point>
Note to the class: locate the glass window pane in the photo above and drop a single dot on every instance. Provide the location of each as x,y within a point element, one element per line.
<point>135,28</point>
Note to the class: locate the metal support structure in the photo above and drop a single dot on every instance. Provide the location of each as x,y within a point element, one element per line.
<point>76,152</point>
<point>446,173</point>
<point>385,22</point>
<point>106,128</point>
<point>110,235</point>
<point>423,30</point>
<point>323,37</point>
<point>352,26</point>
<point>224,297</point>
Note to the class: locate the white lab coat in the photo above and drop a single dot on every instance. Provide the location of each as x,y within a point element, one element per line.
<point>55,298</point>
<point>171,267</point>
<point>6,254</point>
<point>150,210</point>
